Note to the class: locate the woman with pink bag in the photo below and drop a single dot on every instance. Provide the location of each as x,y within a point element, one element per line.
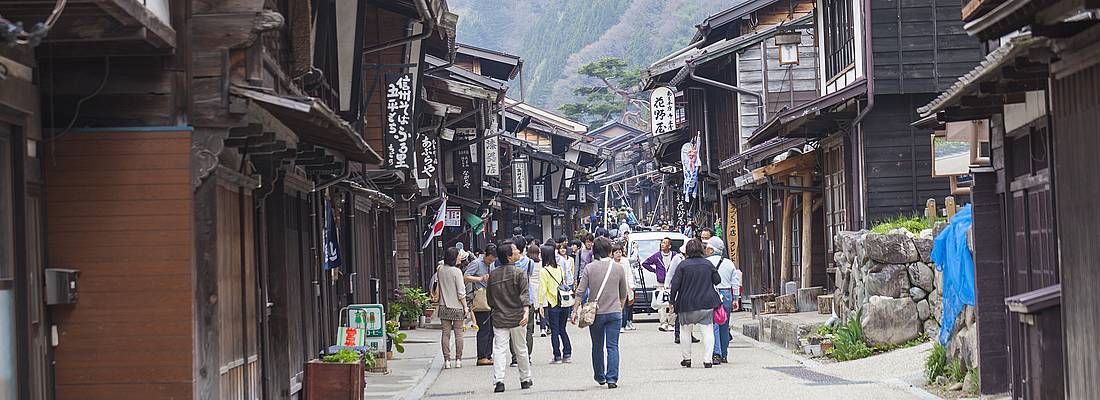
<point>693,296</point>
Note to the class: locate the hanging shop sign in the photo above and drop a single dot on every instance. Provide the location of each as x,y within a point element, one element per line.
<point>453,217</point>
<point>400,135</point>
<point>731,230</point>
<point>582,192</point>
<point>520,177</point>
<point>466,177</point>
<point>662,102</point>
<point>428,168</point>
<point>538,192</point>
<point>492,157</point>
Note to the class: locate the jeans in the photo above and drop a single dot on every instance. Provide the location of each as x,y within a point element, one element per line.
<point>458,328</point>
<point>722,332</point>
<point>708,340</point>
<point>605,334</point>
<point>484,321</point>
<point>503,339</point>
<point>628,314</point>
<point>559,338</point>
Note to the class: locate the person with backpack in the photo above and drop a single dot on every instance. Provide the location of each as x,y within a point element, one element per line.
<point>555,302</point>
<point>692,294</point>
<point>602,313</point>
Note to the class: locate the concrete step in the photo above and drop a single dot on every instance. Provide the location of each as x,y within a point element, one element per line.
<point>785,329</point>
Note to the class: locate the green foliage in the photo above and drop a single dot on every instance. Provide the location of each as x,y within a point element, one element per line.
<point>955,371</point>
<point>825,330</point>
<point>344,356</point>
<point>848,343</point>
<point>395,336</point>
<point>912,342</point>
<point>975,380</point>
<point>936,363</point>
<point>605,101</point>
<point>409,304</point>
<point>911,223</point>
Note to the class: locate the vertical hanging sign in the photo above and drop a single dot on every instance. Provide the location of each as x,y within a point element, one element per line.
<point>582,193</point>
<point>331,258</point>
<point>492,157</point>
<point>429,162</point>
<point>399,140</point>
<point>538,192</point>
<point>520,180</point>
<point>662,104</point>
<point>465,176</point>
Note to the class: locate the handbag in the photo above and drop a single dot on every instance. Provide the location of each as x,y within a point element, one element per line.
<point>481,301</point>
<point>588,311</point>
<point>451,314</point>
<point>660,298</point>
<point>565,294</point>
<point>720,315</point>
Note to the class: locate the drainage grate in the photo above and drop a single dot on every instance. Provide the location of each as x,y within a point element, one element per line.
<point>813,377</point>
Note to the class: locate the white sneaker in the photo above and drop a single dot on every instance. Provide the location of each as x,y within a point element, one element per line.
<point>458,363</point>
<point>446,364</point>
<point>622,330</point>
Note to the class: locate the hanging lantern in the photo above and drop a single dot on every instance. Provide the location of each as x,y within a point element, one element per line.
<point>788,46</point>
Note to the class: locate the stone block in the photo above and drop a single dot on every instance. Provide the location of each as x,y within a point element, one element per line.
<point>806,298</point>
<point>922,276</point>
<point>917,294</point>
<point>825,304</point>
<point>891,280</point>
<point>786,304</point>
<point>931,328</point>
<point>890,321</point>
<point>751,330</point>
<point>924,311</point>
<point>924,249</point>
<point>890,248</point>
<point>790,287</point>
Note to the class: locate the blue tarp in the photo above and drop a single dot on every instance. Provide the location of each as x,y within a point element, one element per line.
<point>952,257</point>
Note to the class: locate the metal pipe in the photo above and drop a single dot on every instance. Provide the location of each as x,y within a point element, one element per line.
<point>690,66</point>
<point>869,75</point>
<point>677,53</point>
<point>426,18</point>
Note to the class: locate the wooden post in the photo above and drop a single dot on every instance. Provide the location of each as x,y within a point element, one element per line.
<point>949,204</point>
<point>807,233</point>
<point>930,210</point>
<point>785,244</point>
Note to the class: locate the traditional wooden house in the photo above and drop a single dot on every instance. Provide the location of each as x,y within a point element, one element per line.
<point>201,154</point>
<point>748,63</point>
<point>629,157</point>
<point>1026,113</point>
<point>544,167</point>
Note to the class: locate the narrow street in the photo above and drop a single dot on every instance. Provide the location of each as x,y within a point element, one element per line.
<point>650,369</point>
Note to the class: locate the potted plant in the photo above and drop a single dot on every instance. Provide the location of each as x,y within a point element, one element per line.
<point>408,306</point>
<point>338,375</point>
<point>394,339</point>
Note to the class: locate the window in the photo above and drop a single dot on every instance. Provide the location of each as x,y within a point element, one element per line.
<point>840,45</point>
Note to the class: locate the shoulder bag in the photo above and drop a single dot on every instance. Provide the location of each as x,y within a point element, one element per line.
<point>565,293</point>
<point>588,311</point>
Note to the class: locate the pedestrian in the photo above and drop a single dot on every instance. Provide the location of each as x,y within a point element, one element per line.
<point>555,303</point>
<point>527,264</point>
<point>509,298</point>
<point>477,279</point>
<point>567,264</point>
<point>610,294</point>
<point>692,294</point>
<point>662,263</point>
<point>534,252</point>
<point>730,279</point>
<point>618,258</point>
<point>705,234</point>
<point>624,228</point>
<point>453,309</point>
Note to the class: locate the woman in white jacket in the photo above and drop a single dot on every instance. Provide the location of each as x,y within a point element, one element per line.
<point>618,258</point>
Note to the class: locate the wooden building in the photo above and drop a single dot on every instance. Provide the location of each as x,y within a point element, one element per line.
<point>192,152</point>
<point>1027,110</point>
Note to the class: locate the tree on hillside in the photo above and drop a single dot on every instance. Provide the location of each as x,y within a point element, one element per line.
<point>617,96</point>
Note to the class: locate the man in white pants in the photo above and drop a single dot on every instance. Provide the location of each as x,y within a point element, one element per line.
<point>508,296</point>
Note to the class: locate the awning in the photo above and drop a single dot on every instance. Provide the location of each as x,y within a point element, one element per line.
<point>385,178</point>
<point>551,209</point>
<point>814,119</point>
<point>373,195</point>
<point>313,122</point>
<point>1003,16</point>
<point>667,146</point>
<point>991,69</point>
<point>763,151</point>
<point>463,201</point>
<point>799,164</point>
<point>522,206</point>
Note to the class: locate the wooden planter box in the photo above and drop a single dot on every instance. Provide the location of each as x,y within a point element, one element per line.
<point>408,325</point>
<point>334,381</point>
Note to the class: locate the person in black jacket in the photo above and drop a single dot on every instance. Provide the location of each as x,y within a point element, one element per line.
<point>694,298</point>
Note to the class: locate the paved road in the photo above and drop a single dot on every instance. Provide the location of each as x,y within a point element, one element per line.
<point>650,370</point>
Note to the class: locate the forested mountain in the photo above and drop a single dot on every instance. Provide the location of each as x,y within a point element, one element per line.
<point>555,37</point>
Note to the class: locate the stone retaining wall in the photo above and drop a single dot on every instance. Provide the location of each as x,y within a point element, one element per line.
<point>891,282</point>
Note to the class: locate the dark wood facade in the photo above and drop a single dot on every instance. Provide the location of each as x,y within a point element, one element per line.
<point>897,159</point>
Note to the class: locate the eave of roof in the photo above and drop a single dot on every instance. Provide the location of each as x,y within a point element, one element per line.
<point>545,116</point>
<point>729,15</point>
<point>987,69</point>
<point>796,117</point>
<point>496,56</point>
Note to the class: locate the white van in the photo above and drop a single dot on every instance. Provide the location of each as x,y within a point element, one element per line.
<point>641,245</point>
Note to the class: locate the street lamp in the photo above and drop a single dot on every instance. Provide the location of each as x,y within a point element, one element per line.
<point>788,41</point>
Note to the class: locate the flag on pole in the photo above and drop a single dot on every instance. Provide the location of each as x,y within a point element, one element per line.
<point>437,226</point>
<point>477,224</point>
<point>331,258</point>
